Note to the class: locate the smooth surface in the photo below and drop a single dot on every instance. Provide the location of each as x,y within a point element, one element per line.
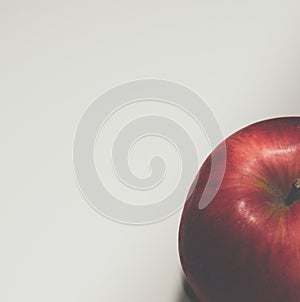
<point>56,58</point>
<point>244,245</point>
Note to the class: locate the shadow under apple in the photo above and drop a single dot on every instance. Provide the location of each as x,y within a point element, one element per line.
<point>186,294</point>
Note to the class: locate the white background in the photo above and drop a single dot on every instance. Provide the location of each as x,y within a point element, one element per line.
<point>242,57</point>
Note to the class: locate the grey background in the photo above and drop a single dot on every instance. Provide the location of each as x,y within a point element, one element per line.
<point>56,57</point>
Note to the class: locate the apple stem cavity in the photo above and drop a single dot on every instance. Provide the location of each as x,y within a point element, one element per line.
<point>294,193</point>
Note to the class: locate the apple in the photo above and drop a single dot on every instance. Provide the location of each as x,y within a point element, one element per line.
<point>245,245</point>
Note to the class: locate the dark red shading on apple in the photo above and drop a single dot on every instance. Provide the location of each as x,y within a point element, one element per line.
<point>245,245</point>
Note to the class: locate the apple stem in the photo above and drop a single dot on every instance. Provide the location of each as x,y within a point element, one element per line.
<point>294,193</point>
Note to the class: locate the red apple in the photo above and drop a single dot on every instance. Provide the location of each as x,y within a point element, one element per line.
<point>245,245</point>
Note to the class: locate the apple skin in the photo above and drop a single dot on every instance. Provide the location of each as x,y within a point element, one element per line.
<point>245,245</point>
